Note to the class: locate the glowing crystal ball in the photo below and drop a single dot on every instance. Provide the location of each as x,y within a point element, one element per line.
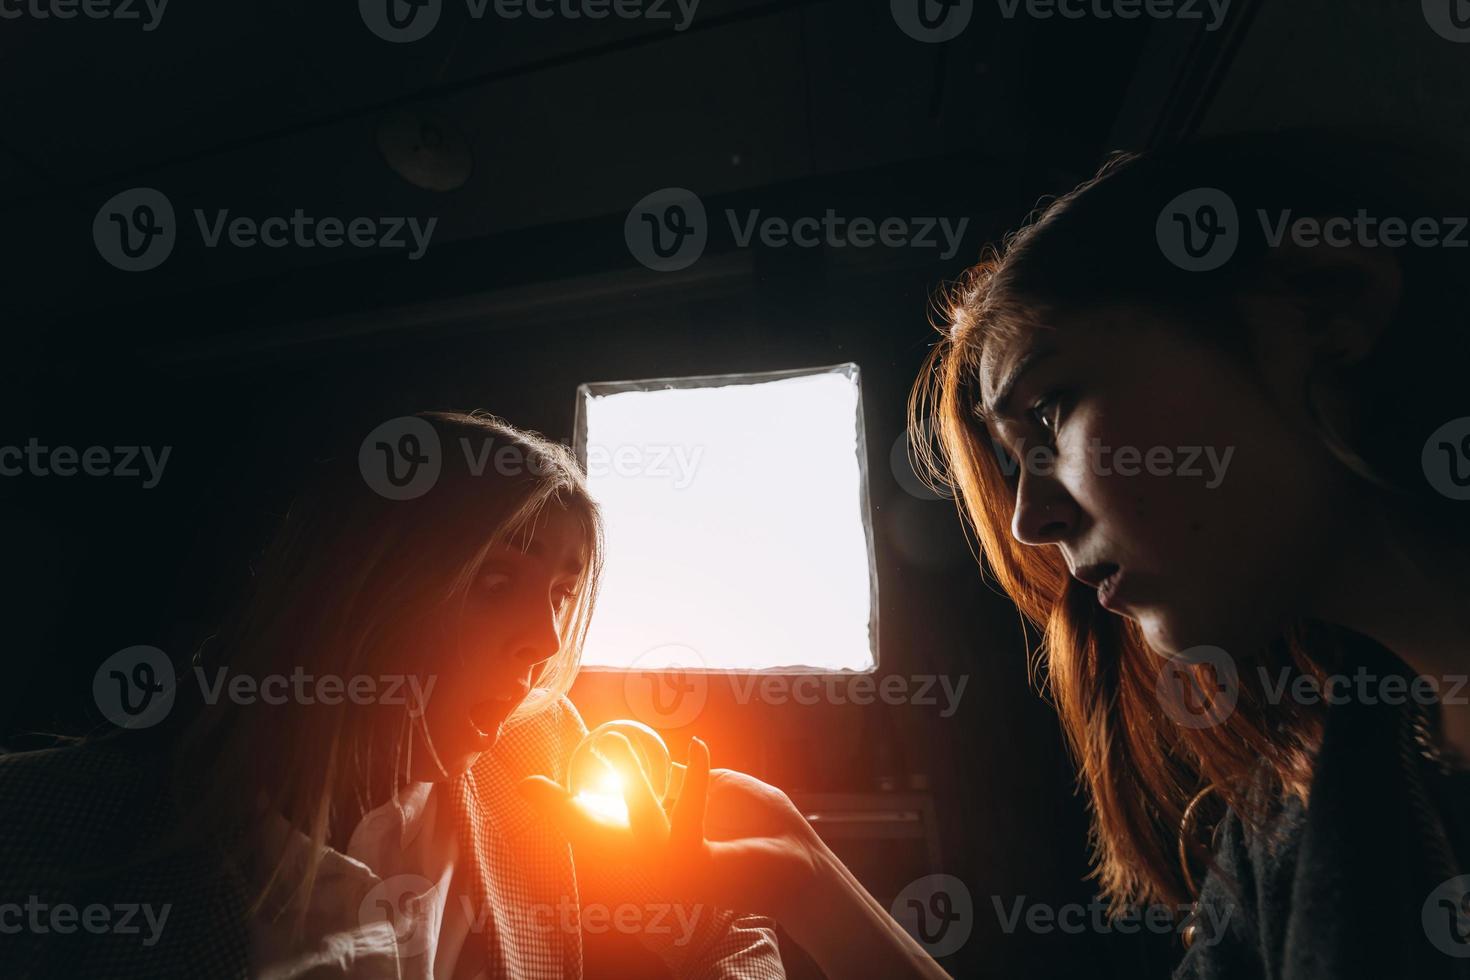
<point>596,784</point>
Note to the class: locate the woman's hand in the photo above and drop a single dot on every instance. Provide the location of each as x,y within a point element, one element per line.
<point>726,838</point>
<point>730,840</point>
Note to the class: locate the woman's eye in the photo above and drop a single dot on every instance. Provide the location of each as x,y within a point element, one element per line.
<point>563,596</point>
<point>1046,411</point>
<point>494,583</point>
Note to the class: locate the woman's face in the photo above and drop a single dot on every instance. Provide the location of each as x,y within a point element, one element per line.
<point>1187,483</point>
<point>488,659</point>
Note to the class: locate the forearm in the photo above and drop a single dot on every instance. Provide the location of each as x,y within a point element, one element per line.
<point>849,933</point>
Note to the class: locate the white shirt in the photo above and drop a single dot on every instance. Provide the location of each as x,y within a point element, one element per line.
<point>455,881</point>
<point>387,908</point>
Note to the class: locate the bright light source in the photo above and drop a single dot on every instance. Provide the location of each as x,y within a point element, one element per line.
<point>738,535</point>
<point>605,799</point>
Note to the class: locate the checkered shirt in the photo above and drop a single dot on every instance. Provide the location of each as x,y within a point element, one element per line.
<point>67,814</point>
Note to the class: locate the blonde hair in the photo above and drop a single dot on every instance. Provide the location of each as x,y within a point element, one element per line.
<point>350,578</point>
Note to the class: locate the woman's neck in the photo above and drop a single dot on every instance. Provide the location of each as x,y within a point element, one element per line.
<point>1408,591</point>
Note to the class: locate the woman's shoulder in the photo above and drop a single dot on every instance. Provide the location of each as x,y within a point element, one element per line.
<point>1244,900</point>
<point>85,771</point>
<point>118,759</point>
<point>56,800</point>
<point>81,822</point>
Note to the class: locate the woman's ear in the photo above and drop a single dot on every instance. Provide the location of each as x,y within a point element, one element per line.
<point>1313,309</point>
<point>1335,300</point>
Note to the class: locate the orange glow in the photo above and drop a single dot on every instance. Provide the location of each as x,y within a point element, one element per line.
<point>604,800</point>
<point>597,782</point>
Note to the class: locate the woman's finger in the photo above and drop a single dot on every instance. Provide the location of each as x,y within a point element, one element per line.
<point>554,803</point>
<point>687,818</point>
<point>676,785</point>
<point>645,809</point>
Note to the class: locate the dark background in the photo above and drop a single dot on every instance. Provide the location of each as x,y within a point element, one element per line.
<point>246,361</point>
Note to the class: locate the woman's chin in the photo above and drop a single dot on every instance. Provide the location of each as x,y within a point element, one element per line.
<point>1172,635</point>
<point>1160,635</point>
<point>452,763</point>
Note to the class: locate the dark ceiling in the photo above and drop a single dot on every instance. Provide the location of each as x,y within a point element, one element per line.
<point>268,107</point>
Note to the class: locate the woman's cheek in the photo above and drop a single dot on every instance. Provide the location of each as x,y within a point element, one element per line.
<point>1083,470</point>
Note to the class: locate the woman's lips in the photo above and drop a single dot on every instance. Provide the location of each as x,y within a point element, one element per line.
<point>1108,591</point>
<point>487,715</point>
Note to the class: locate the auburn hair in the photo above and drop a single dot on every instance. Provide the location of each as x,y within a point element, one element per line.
<point>1099,245</point>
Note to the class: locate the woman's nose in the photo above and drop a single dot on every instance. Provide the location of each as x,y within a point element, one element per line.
<point>538,640</point>
<point>1045,513</point>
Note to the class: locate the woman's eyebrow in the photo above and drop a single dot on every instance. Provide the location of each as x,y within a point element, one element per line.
<point>572,567</point>
<point>998,407</point>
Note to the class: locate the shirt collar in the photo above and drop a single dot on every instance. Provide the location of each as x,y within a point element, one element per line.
<point>401,818</point>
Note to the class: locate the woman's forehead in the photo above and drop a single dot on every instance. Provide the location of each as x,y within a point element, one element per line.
<point>557,534</point>
<point>1008,351</point>
<point>1001,362</point>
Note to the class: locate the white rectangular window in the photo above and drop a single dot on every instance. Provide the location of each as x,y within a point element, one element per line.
<point>738,530</point>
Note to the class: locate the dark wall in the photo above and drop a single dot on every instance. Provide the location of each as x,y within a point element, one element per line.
<point>100,566</point>
<point>246,365</point>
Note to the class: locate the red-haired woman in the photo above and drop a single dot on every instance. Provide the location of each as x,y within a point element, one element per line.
<point>1207,416</point>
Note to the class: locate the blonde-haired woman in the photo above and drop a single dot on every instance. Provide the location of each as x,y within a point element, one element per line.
<point>334,789</point>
